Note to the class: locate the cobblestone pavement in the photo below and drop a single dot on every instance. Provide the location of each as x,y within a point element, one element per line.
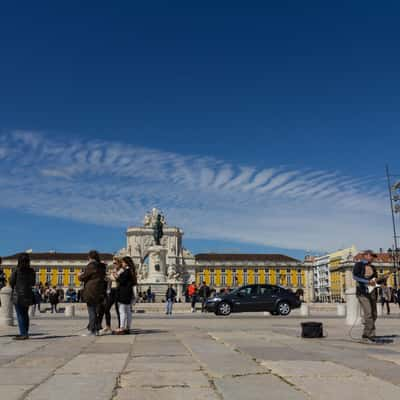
<point>199,357</point>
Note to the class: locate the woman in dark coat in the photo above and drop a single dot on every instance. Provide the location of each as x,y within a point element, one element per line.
<point>126,281</point>
<point>22,280</point>
<point>94,290</point>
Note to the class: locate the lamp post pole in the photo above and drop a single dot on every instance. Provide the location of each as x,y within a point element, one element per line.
<point>395,254</point>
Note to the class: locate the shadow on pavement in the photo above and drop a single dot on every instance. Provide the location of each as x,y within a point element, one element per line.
<point>146,331</point>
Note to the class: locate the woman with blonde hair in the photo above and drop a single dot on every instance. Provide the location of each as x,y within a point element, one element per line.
<point>111,297</point>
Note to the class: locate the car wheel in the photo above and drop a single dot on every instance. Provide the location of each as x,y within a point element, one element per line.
<point>224,309</point>
<point>284,308</point>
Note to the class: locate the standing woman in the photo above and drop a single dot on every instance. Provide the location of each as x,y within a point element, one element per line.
<point>22,280</point>
<point>111,297</point>
<point>94,290</point>
<point>126,281</point>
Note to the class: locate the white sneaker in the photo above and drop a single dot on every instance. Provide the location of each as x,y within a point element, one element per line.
<point>106,331</point>
<point>88,334</point>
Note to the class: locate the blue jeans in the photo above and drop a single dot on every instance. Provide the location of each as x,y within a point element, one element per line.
<point>170,304</point>
<point>23,319</point>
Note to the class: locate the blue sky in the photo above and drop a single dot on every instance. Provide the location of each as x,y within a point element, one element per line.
<point>255,126</point>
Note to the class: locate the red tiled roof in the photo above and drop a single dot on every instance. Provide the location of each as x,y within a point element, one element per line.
<point>244,257</point>
<point>381,257</point>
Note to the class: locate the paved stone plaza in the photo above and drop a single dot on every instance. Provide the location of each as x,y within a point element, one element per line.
<point>199,357</point>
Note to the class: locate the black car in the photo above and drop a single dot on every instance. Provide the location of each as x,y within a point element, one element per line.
<point>275,299</point>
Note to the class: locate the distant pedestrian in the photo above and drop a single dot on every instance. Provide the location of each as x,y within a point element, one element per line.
<point>3,279</point>
<point>94,290</point>
<point>149,295</point>
<point>22,280</point>
<point>386,296</point>
<point>397,294</point>
<point>126,281</point>
<point>204,294</point>
<point>37,297</point>
<point>54,299</point>
<point>192,292</point>
<point>170,297</point>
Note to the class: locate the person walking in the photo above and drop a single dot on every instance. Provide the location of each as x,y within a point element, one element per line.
<point>386,296</point>
<point>365,275</point>
<point>111,296</point>
<point>204,294</point>
<point>149,295</point>
<point>126,280</point>
<point>54,299</point>
<point>170,297</point>
<point>3,279</point>
<point>22,281</point>
<point>192,292</point>
<point>397,295</point>
<point>37,297</point>
<point>94,289</point>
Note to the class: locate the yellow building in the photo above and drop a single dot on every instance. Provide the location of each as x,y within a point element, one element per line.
<point>342,272</point>
<point>229,270</point>
<point>56,269</point>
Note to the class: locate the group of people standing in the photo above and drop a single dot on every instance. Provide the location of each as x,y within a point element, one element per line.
<point>198,294</point>
<point>104,288</point>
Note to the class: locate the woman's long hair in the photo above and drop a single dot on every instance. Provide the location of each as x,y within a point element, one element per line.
<point>24,261</point>
<point>129,262</point>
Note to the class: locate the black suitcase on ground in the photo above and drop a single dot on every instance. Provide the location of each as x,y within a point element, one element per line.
<point>312,330</point>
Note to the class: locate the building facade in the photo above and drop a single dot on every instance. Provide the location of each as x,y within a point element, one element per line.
<point>55,269</point>
<point>327,284</point>
<point>170,263</point>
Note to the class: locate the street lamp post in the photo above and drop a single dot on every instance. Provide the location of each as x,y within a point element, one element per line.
<point>394,196</point>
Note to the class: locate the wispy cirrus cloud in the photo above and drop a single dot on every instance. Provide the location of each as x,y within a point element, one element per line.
<point>114,184</point>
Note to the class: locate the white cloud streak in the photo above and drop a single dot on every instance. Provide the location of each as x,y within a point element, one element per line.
<point>114,184</point>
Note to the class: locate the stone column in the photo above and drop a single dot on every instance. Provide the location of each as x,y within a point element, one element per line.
<point>309,286</point>
<point>70,310</point>
<point>304,310</point>
<point>6,309</point>
<point>341,310</point>
<point>179,290</point>
<point>353,315</point>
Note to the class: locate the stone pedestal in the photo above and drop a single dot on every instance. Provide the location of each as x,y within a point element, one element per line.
<point>70,310</point>
<point>6,309</point>
<point>179,291</point>
<point>353,315</point>
<point>304,310</point>
<point>341,310</point>
<point>157,265</point>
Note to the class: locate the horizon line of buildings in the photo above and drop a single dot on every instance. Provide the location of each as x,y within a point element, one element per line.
<point>322,278</point>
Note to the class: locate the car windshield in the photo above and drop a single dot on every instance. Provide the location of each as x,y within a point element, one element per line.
<point>245,290</point>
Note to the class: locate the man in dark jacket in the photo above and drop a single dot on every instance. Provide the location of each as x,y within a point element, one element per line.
<point>170,296</point>
<point>364,273</point>
<point>22,280</point>
<point>94,290</point>
<point>204,294</point>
